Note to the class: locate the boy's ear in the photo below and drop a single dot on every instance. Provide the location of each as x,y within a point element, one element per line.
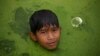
<point>32,36</point>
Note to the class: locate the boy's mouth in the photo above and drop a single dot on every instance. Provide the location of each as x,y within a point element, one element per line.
<point>53,43</point>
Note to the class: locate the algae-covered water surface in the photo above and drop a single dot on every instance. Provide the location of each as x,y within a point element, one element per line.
<point>80,40</point>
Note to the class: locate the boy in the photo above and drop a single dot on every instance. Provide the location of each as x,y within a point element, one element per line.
<point>45,28</point>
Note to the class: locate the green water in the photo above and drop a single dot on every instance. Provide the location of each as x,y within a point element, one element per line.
<point>81,41</point>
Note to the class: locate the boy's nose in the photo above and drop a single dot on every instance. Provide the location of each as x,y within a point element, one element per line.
<point>50,36</point>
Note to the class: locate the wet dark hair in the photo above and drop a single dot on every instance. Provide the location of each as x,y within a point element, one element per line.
<point>41,18</point>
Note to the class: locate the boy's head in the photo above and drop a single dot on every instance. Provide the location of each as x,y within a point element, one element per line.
<point>45,28</point>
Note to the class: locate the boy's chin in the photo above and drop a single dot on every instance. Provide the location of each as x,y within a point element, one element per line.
<point>51,48</point>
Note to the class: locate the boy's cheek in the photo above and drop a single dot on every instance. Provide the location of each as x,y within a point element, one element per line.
<point>57,35</point>
<point>42,39</point>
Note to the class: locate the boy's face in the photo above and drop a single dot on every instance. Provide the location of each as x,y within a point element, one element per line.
<point>48,36</point>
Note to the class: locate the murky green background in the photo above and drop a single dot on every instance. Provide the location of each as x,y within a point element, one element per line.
<point>81,41</point>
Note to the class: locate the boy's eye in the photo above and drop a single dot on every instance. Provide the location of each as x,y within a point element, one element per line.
<point>54,30</point>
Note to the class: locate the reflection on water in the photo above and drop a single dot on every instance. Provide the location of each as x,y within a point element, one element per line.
<point>7,47</point>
